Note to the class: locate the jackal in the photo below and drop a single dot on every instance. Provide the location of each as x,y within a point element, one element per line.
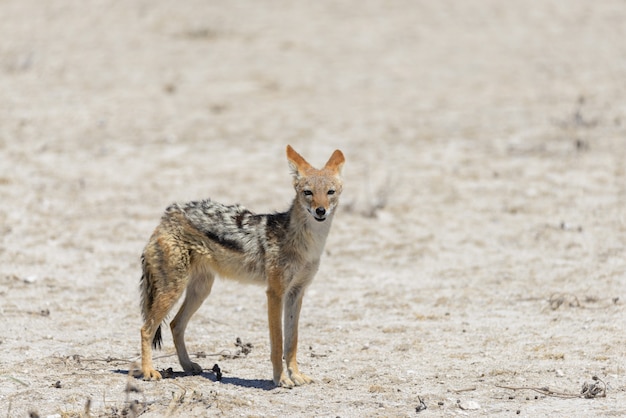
<point>197,241</point>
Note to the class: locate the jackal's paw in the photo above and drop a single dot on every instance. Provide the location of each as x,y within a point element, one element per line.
<point>284,381</point>
<point>193,368</point>
<point>300,379</point>
<point>151,374</point>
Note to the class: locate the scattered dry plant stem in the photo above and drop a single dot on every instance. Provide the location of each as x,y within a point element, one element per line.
<point>544,391</point>
<point>314,355</point>
<point>594,390</point>
<point>15,380</point>
<point>589,390</point>
<point>464,389</point>
<point>132,406</point>
<point>104,360</point>
<point>557,300</point>
<point>181,397</point>
<point>200,354</point>
<point>78,358</point>
<point>422,406</point>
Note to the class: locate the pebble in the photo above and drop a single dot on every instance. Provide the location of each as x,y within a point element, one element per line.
<point>469,405</point>
<point>30,279</point>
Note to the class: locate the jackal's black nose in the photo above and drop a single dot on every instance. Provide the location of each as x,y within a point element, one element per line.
<point>320,211</point>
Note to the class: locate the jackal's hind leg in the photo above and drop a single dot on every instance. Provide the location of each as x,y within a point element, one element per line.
<point>161,306</point>
<point>198,289</point>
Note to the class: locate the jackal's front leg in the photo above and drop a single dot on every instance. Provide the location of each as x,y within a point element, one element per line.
<point>274,313</point>
<point>293,304</point>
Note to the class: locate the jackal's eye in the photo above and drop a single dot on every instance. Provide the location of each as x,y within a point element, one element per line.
<point>307,193</point>
<point>331,191</point>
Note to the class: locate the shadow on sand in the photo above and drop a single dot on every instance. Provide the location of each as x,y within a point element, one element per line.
<point>263,384</point>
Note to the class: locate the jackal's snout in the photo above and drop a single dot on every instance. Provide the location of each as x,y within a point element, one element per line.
<point>320,214</point>
<point>321,204</point>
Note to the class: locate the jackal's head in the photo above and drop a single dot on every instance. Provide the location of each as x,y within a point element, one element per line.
<point>317,191</point>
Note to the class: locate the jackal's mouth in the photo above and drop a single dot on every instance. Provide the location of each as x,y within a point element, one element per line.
<point>319,215</point>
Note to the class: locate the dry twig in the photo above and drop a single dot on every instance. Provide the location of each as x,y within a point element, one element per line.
<point>589,390</point>
<point>464,389</point>
<point>422,406</point>
<point>557,300</point>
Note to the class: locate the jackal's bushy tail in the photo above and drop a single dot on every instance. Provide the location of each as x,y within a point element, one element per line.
<point>147,288</point>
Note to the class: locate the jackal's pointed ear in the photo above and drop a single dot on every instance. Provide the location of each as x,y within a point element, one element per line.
<point>335,162</point>
<point>297,164</point>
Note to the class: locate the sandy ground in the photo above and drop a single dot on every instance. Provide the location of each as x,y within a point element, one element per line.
<point>481,239</point>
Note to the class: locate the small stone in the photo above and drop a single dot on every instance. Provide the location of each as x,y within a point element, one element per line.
<point>469,405</point>
<point>30,279</point>
<point>559,373</point>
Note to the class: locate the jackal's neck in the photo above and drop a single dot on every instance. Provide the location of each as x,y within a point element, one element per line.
<point>307,234</point>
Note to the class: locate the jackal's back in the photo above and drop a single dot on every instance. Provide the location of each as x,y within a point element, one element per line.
<point>233,227</point>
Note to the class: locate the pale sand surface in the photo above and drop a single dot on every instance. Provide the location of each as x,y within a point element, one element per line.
<point>486,151</point>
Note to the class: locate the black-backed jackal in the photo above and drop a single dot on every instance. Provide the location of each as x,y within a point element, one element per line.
<point>197,241</point>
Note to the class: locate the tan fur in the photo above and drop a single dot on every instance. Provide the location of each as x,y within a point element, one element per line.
<point>197,241</point>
